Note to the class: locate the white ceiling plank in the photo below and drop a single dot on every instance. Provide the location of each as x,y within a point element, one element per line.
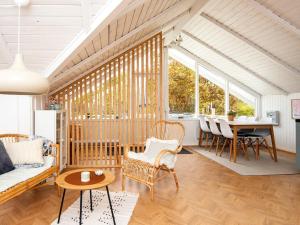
<point>196,39</point>
<point>86,14</point>
<point>42,10</point>
<point>217,71</point>
<point>196,8</point>
<point>159,17</point>
<point>4,49</point>
<point>250,43</point>
<point>274,17</point>
<point>109,12</point>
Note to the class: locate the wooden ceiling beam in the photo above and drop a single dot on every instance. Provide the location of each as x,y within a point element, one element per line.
<point>258,48</point>
<point>196,39</point>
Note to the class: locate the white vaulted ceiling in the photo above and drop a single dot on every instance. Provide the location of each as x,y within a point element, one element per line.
<point>129,25</point>
<point>47,27</point>
<point>254,42</point>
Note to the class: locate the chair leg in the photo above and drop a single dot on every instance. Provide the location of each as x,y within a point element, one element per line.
<point>206,141</point>
<point>212,142</point>
<point>123,183</point>
<point>222,150</point>
<point>268,148</point>
<point>231,150</point>
<point>257,148</point>
<point>251,144</point>
<point>175,178</point>
<point>152,192</point>
<point>243,144</point>
<point>217,148</point>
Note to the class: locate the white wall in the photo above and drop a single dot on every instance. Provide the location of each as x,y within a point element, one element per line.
<point>192,129</point>
<point>15,114</point>
<point>285,133</point>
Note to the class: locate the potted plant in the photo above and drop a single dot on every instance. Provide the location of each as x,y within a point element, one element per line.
<point>231,114</point>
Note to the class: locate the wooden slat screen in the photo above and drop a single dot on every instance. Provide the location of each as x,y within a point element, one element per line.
<point>114,106</point>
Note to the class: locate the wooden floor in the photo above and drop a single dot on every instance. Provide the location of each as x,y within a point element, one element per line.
<point>209,194</point>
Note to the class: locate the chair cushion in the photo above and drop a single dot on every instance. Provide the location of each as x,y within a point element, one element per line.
<point>153,148</point>
<point>26,152</point>
<point>19,175</point>
<point>6,164</point>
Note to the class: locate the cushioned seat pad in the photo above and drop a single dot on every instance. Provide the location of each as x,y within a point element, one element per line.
<point>12,178</point>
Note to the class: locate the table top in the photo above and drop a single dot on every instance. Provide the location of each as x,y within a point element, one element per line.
<point>247,123</point>
<point>72,179</point>
<point>253,123</point>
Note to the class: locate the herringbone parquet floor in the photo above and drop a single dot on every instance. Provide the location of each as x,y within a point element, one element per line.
<point>209,195</point>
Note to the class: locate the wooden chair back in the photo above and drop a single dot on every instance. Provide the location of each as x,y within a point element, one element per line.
<point>168,130</point>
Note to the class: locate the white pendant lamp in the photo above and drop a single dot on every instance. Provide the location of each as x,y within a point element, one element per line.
<point>17,79</point>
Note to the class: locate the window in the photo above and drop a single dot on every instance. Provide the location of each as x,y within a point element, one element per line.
<point>181,88</point>
<point>211,96</point>
<point>241,107</point>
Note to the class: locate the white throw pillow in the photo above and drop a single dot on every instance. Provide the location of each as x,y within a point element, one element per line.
<point>26,152</point>
<point>154,146</point>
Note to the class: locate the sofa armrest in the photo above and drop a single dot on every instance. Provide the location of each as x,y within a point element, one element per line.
<point>56,156</point>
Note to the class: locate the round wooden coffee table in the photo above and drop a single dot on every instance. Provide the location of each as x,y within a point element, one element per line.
<point>72,180</point>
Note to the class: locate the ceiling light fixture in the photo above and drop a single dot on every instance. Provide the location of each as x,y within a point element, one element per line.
<point>17,79</point>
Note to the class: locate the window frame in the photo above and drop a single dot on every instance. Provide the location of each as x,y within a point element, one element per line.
<point>197,67</point>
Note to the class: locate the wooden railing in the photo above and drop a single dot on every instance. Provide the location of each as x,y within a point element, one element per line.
<point>114,106</point>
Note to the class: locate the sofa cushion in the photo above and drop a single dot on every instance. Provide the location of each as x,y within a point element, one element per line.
<point>6,164</point>
<point>26,152</point>
<point>19,175</point>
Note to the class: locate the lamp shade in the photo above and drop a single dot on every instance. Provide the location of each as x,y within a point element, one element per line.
<point>18,80</point>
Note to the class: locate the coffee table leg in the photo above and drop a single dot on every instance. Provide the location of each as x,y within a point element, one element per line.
<point>91,200</point>
<point>110,205</point>
<point>61,205</point>
<point>80,212</point>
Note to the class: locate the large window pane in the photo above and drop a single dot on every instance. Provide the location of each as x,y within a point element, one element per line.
<point>210,96</point>
<point>241,107</point>
<point>181,88</point>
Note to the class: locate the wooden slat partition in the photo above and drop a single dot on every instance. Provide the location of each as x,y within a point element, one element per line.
<point>114,106</point>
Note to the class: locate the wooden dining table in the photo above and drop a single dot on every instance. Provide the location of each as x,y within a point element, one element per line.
<point>237,125</point>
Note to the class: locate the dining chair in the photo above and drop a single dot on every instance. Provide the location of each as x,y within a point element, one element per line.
<point>215,132</point>
<point>259,137</point>
<point>205,129</point>
<point>227,133</point>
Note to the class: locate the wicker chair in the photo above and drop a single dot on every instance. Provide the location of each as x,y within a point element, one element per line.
<point>147,173</point>
<point>35,181</point>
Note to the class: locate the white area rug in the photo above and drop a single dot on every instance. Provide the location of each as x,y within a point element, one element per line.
<point>123,205</point>
<point>264,166</point>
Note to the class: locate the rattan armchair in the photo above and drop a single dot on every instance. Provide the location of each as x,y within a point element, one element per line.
<point>147,173</point>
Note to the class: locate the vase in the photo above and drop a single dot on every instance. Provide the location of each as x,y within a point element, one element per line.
<point>231,117</point>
